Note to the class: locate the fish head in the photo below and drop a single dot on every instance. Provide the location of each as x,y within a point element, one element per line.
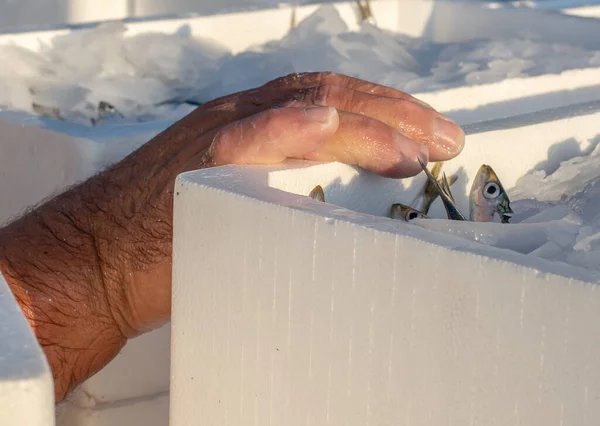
<point>488,197</point>
<point>405,213</point>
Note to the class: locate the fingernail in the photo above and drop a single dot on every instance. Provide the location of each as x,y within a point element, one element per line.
<point>449,135</point>
<point>408,153</point>
<point>320,114</point>
<point>412,150</point>
<point>424,154</point>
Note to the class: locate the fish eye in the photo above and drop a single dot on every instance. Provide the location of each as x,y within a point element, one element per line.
<point>413,215</point>
<point>491,190</point>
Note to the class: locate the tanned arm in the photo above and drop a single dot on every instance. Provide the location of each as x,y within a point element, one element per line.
<point>74,263</point>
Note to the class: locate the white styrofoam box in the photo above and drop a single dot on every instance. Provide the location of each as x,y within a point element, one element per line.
<point>26,385</point>
<point>585,8</point>
<point>238,31</point>
<point>289,311</point>
<point>441,22</point>
<point>32,13</point>
<point>20,14</point>
<point>141,369</point>
<point>41,157</point>
<point>515,96</point>
<point>592,11</point>
<point>152,410</point>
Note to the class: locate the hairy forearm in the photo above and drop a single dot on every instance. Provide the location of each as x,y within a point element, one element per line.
<point>49,258</point>
<point>76,263</point>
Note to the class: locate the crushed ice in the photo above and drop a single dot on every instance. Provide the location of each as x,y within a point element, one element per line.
<point>557,215</point>
<point>146,76</point>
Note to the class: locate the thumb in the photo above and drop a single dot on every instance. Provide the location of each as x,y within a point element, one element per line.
<point>274,135</point>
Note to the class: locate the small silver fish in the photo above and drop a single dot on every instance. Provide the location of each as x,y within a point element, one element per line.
<point>364,10</point>
<point>405,213</point>
<point>45,111</point>
<point>104,109</point>
<point>488,197</point>
<point>443,189</point>
<point>317,193</point>
<point>293,19</point>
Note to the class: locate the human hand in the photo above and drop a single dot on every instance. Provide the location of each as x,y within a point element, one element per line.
<point>313,116</point>
<point>92,267</point>
<point>326,117</point>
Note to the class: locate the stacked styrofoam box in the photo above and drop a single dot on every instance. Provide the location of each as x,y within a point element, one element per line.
<point>26,387</point>
<point>440,22</point>
<point>299,312</point>
<point>515,95</point>
<point>41,157</point>
<point>585,11</point>
<point>584,8</point>
<point>131,390</point>
<point>18,15</point>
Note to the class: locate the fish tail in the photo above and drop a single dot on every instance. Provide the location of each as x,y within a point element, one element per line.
<point>451,209</point>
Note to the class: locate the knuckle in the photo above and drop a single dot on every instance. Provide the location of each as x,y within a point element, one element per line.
<point>288,80</point>
<point>327,76</point>
<point>307,79</point>
<point>336,96</point>
<point>279,82</point>
<point>300,97</point>
<point>317,95</point>
<point>323,94</point>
